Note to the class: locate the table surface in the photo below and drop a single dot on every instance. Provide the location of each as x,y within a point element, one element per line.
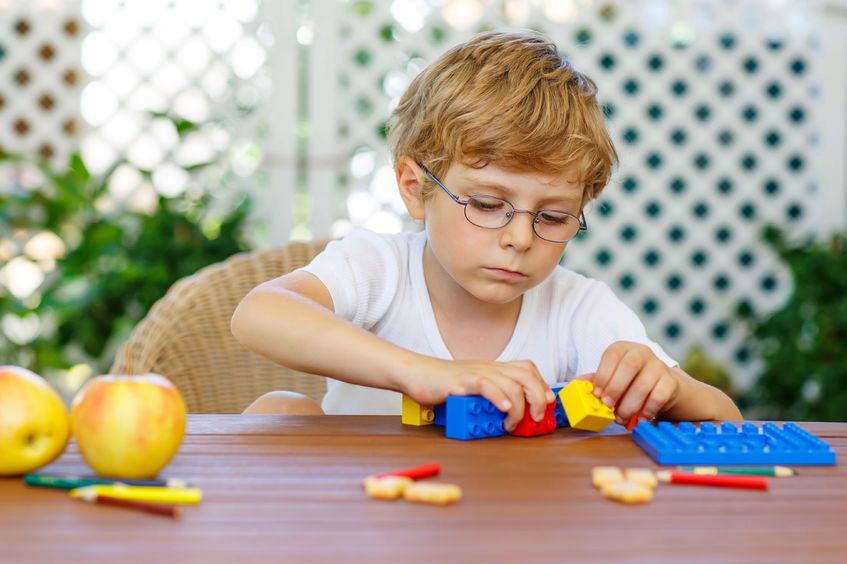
<point>287,488</point>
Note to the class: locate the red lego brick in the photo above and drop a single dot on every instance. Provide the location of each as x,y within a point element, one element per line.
<point>529,428</point>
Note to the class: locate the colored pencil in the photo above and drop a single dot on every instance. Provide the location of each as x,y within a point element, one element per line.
<point>416,473</point>
<point>157,508</point>
<point>163,483</point>
<point>72,482</point>
<point>774,471</point>
<point>182,496</point>
<point>751,482</point>
<point>633,421</point>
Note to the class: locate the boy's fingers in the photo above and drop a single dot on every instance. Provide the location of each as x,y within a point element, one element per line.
<point>538,400</point>
<point>508,393</point>
<point>608,363</point>
<point>518,398</point>
<point>490,391</point>
<point>534,388</point>
<point>625,372</point>
<point>636,395</point>
<point>656,400</point>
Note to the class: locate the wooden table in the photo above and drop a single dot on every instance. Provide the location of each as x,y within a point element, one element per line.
<point>287,489</point>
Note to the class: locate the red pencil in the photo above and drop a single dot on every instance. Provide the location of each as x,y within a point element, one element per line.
<point>416,473</point>
<point>633,421</point>
<point>157,508</point>
<point>721,481</point>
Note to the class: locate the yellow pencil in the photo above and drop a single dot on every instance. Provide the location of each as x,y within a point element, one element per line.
<point>182,496</point>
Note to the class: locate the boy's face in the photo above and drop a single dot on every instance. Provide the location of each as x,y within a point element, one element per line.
<point>495,266</point>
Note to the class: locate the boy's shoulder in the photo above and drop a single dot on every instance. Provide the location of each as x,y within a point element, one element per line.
<point>374,250</point>
<point>567,286</point>
<point>563,278</point>
<point>367,241</point>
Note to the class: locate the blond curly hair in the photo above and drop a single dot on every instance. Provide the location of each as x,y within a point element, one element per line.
<point>508,99</point>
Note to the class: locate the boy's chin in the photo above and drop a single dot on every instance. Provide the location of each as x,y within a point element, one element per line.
<point>497,295</point>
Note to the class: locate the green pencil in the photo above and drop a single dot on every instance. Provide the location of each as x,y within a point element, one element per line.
<point>73,482</point>
<point>775,471</point>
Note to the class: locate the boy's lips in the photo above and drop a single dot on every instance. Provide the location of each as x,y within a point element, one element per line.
<point>504,273</point>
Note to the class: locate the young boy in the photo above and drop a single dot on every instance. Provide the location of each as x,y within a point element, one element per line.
<point>498,147</point>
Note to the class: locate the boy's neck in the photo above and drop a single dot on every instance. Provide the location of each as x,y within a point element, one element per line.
<point>447,296</point>
<point>470,328</point>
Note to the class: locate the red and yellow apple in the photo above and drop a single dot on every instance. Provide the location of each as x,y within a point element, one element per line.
<point>128,426</point>
<point>34,423</point>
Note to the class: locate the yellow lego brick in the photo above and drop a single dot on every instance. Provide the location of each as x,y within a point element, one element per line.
<point>416,414</point>
<point>584,410</point>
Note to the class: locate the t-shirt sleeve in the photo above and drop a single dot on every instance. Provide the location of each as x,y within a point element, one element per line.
<point>361,273</point>
<point>599,319</point>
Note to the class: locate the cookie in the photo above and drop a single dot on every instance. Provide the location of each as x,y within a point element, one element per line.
<point>602,475</point>
<point>642,476</point>
<point>432,492</point>
<point>388,487</point>
<point>627,492</point>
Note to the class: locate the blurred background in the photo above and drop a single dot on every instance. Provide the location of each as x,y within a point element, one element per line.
<point>141,140</point>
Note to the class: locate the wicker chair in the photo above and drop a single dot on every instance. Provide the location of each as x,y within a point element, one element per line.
<point>186,335</point>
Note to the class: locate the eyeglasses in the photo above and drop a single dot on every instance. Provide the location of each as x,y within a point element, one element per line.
<point>491,212</point>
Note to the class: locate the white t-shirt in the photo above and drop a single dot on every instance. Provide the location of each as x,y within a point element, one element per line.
<point>377,282</point>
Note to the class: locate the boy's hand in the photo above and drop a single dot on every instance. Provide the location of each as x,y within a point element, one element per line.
<point>631,378</point>
<point>508,385</point>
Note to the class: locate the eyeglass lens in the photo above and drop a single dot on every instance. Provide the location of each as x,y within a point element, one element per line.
<point>492,212</point>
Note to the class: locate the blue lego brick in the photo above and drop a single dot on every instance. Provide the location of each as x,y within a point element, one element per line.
<point>561,417</point>
<point>473,417</point>
<point>440,414</point>
<point>751,445</point>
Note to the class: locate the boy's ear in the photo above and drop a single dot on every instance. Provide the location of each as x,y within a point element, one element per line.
<point>409,176</point>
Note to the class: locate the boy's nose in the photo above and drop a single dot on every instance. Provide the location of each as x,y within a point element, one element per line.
<point>518,233</point>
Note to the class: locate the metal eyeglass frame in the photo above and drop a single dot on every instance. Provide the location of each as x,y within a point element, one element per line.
<point>583,226</point>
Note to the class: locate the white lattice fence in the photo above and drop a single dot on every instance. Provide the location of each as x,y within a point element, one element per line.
<point>713,106</point>
<point>205,62</point>
<point>40,78</point>
<point>110,67</point>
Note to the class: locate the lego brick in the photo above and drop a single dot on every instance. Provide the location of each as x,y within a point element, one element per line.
<point>561,417</point>
<point>584,410</point>
<point>416,414</point>
<point>473,417</point>
<point>528,427</point>
<point>750,445</point>
<point>441,414</point>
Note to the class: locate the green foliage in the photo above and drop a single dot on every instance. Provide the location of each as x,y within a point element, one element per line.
<point>116,263</point>
<point>804,376</point>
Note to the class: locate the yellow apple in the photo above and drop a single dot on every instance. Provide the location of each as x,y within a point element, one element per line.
<point>128,426</point>
<point>34,423</point>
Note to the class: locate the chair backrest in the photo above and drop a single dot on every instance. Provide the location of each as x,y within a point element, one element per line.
<point>186,336</point>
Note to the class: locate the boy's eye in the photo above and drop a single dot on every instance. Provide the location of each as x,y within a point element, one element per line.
<point>555,218</point>
<point>487,204</point>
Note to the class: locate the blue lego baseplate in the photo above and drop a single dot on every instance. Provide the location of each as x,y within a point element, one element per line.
<point>751,445</point>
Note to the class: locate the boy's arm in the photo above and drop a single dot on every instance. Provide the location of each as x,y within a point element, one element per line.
<point>290,320</point>
<point>634,380</point>
<point>697,401</point>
